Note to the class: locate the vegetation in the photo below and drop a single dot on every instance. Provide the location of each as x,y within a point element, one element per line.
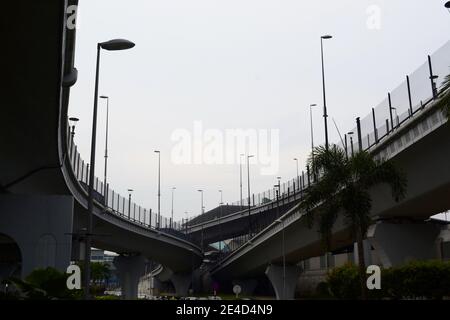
<point>415,280</point>
<point>444,97</point>
<point>41,284</point>
<point>343,188</point>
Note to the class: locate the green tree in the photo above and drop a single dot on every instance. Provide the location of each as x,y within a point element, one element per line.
<point>343,188</point>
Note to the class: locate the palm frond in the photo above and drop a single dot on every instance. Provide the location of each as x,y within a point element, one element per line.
<point>444,97</point>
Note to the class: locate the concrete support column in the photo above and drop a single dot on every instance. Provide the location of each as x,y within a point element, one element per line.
<point>284,287</point>
<point>399,243</point>
<point>41,226</point>
<point>181,282</point>
<point>367,253</point>
<point>130,269</point>
<point>248,286</point>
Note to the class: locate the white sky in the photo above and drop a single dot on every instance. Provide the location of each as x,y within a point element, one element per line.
<point>250,64</point>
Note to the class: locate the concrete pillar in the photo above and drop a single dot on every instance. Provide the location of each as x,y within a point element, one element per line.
<point>181,283</point>
<point>41,226</point>
<point>399,243</point>
<point>130,269</point>
<point>367,253</point>
<point>275,274</point>
<point>248,286</point>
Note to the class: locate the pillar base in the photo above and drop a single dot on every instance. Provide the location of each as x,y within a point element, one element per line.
<point>284,290</point>
<point>181,282</point>
<point>130,269</point>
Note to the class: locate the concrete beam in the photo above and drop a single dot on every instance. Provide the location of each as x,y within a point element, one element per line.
<point>130,269</point>
<point>399,243</point>
<point>283,281</point>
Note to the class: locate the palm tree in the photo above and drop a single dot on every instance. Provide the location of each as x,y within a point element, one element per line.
<point>444,97</point>
<point>343,188</point>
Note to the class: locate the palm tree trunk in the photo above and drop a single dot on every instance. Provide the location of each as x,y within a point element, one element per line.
<point>362,263</point>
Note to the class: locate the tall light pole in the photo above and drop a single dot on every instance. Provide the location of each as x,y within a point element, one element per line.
<point>106,145</point>
<point>201,212</point>
<point>325,114</point>
<point>220,225</point>
<point>171,219</point>
<point>248,189</point>
<point>311,124</point>
<point>240,175</point>
<point>112,45</point>
<point>298,177</point>
<point>73,123</point>
<point>283,252</point>
<point>158,225</point>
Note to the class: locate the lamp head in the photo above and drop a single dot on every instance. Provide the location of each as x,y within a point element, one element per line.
<point>116,45</point>
<point>326,37</point>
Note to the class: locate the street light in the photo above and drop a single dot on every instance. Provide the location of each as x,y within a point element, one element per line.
<point>201,212</point>
<point>351,133</point>
<point>171,219</point>
<point>106,144</point>
<point>159,188</point>
<point>298,177</point>
<point>284,256</point>
<point>220,217</point>
<point>130,191</point>
<point>112,45</point>
<point>73,123</point>
<point>311,125</point>
<point>248,188</point>
<point>325,115</point>
<point>240,175</point>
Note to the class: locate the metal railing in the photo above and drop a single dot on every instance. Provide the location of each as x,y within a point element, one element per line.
<point>116,204</point>
<point>418,91</point>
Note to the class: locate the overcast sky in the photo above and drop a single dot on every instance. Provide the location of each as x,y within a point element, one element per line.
<point>248,64</point>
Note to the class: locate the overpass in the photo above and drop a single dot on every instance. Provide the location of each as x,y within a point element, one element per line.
<point>43,199</point>
<point>418,143</point>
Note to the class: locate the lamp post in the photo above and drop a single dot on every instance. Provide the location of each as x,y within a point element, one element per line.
<point>158,224</point>
<point>298,176</point>
<point>248,189</point>
<point>201,212</point>
<point>351,133</point>
<point>325,115</point>
<point>112,45</point>
<point>283,252</point>
<point>73,122</point>
<point>106,145</point>
<point>240,175</point>
<point>171,219</point>
<point>311,125</point>
<point>220,225</point>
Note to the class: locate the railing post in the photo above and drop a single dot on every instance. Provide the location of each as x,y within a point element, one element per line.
<point>409,96</point>
<point>375,130</point>
<point>390,111</point>
<point>358,126</point>
<point>432,77</point>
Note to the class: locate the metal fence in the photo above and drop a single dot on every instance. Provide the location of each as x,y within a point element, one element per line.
<point>412,96</point>
<point>116,204</point>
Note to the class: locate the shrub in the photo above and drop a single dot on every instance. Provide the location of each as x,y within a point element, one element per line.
<point>418,279</point>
